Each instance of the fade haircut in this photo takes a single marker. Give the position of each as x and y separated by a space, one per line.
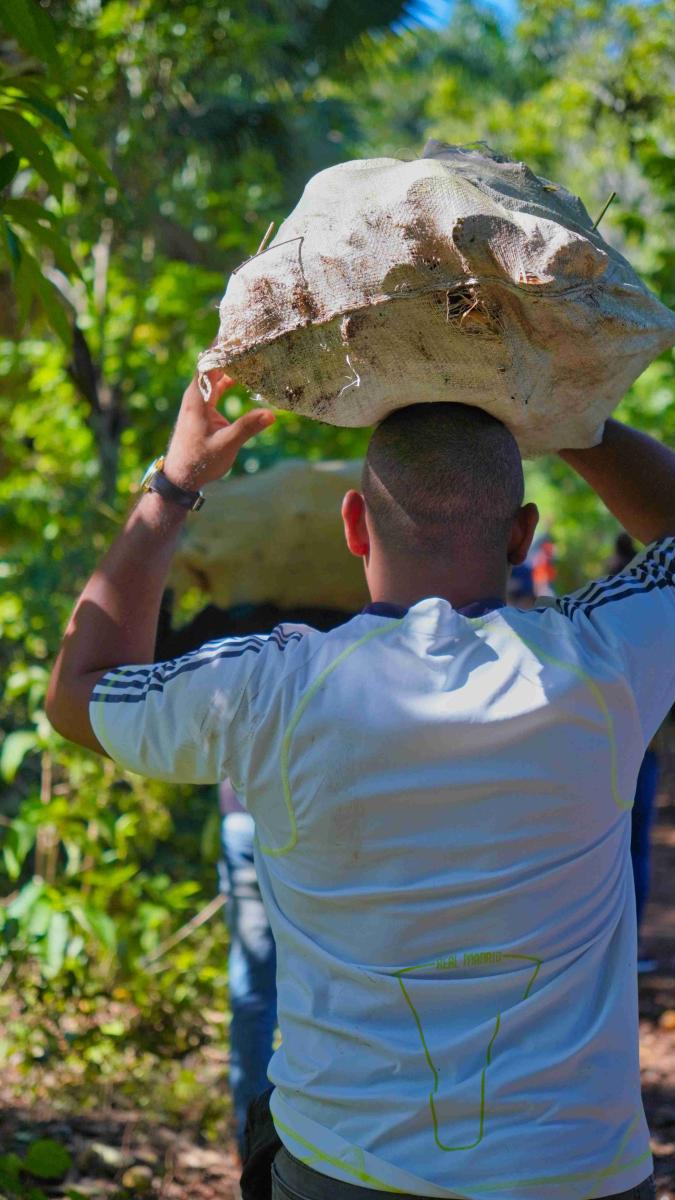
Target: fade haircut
442 480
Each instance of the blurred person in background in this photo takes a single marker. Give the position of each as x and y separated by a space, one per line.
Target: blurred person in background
520 587
252 962
541 560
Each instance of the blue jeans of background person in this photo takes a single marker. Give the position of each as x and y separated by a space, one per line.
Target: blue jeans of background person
641 824
252 968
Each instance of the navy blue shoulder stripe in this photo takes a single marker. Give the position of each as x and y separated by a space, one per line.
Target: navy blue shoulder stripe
654 571
649 566
161 674
278 635
153 679
601 587
206 648
657 585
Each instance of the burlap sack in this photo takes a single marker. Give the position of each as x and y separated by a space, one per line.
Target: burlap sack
274 537
458 276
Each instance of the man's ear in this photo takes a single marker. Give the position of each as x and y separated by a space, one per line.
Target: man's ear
354 519
522 532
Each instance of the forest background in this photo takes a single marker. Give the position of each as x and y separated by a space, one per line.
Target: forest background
145 145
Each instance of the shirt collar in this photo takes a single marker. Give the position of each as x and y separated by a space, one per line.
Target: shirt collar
477 608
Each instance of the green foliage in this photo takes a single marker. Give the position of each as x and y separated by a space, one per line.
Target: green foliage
45 1159
33 93
144 148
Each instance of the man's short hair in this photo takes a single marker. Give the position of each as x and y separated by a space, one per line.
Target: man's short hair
442 479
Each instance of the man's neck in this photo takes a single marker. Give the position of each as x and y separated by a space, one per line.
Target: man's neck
405 584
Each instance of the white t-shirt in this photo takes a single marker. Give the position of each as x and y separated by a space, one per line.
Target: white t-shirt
443 822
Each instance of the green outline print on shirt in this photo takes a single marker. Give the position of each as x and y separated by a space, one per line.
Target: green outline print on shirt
596 1177
316 1155
444 964
596 692
293 723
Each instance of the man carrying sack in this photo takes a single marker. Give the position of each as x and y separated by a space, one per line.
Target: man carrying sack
442 785
442 790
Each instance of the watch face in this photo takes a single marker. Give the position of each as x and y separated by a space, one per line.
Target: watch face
152 469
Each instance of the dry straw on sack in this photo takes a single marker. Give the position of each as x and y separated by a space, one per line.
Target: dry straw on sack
459 276
282 542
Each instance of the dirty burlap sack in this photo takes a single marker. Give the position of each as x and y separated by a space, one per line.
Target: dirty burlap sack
274 537
459 276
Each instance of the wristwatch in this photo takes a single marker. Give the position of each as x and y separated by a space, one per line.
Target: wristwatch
155 480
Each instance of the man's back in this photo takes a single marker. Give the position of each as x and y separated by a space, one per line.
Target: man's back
448 883
442 807
441 797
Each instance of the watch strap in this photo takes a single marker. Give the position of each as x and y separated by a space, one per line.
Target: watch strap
159 483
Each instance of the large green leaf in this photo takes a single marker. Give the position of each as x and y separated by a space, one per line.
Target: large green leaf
58 933
29 208
23 212
47 1159
9 165
96 922
31 282
26 900
28 22
10 1171
14 749
36 923
17 843
13 243
28 144
52 114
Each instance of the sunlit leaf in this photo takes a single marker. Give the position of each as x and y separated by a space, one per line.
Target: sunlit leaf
14 749
95 922
36 923
17 842
57 940
30 208
27 898
52 114
114 1028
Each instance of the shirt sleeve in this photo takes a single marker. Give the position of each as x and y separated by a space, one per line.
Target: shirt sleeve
630 617
187 720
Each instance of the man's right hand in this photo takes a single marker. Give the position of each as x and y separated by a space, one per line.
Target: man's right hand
204 444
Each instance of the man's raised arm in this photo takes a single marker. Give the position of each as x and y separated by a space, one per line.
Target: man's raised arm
634 475
115 619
